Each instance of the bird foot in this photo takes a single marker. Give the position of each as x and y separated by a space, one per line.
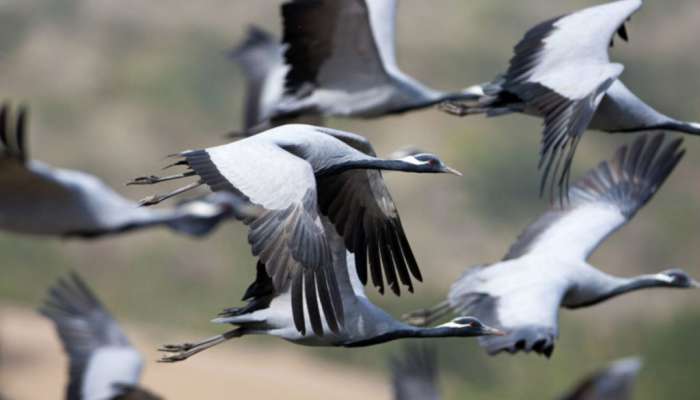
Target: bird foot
174 348
454 108
183 352
145 180
150 200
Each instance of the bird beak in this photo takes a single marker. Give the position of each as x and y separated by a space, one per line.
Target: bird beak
493 331
451 170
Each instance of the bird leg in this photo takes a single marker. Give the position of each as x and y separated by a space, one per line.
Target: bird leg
152 179
186 350
157 198
459 109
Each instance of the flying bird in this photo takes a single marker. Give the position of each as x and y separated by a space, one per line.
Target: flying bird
616 382
267 313
414 375
342 62
103 364
38 199
546 267
562 73
261 58
294 175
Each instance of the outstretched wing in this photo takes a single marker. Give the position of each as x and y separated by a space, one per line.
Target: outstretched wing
86 328
562 69
414 376
287 235
334 44
602 201
364 214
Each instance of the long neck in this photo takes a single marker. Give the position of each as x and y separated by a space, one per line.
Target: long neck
613 286
370 163
410 331
692 128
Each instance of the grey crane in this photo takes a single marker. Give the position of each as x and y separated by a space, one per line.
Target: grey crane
295 174
342 62
562 72
267 313
546 267
616 382
103 364
261 58
414 374
41 200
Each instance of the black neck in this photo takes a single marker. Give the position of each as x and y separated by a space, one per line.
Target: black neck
678 126
412 332
370 163
623 286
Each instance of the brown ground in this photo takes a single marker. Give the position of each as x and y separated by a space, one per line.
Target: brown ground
31 353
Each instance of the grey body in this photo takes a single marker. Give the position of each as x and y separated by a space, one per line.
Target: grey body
103 364
261 58
616 382
294 174
41 200
561 72
546 268
342 62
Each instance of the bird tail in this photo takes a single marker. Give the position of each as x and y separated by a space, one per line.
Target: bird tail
428 316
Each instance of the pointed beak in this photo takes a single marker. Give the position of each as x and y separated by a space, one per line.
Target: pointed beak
451 170
489 331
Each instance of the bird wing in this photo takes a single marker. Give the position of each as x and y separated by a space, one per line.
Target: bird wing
521 304
260 56
364 214
614 382
562 69
287 235
602 201
84 326
333 44
414 376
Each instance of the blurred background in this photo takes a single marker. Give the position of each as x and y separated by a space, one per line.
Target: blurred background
115 86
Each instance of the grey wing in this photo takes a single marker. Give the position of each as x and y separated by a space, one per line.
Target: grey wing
615 382
561 68
287 234
414 376
83 325
360 206
331 44
261 58
602 201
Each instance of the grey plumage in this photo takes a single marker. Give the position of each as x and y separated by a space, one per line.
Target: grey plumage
41 200
616 382
561 72
292 174
342 62
103 364
414 374
546 267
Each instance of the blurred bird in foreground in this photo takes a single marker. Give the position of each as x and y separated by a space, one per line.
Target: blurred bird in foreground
41 200
616 382
546 268
561 72
103 364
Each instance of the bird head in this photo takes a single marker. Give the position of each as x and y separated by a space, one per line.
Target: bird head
426 162
677 278
470 326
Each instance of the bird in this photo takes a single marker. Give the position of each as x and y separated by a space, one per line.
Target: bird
267 313
414 375
103 364
342 62
616 382
546 267
261 58
38 199
294 175
562 72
